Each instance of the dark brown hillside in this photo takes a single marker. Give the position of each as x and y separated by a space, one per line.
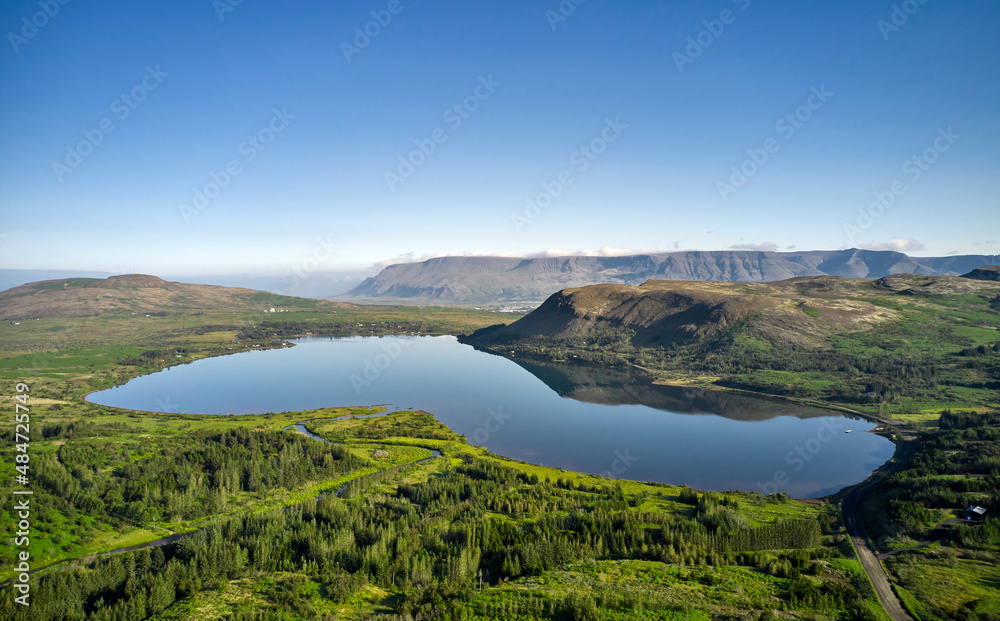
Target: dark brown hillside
799 312
987 272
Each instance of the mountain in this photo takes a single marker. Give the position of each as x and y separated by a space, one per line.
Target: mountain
134 293
798 312
490 280
302 283
987 272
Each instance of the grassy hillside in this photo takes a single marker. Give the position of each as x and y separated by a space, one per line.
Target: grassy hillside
899 344
138 294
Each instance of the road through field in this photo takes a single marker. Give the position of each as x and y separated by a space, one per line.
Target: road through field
852 520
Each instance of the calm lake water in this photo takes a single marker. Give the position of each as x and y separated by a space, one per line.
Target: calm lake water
564 416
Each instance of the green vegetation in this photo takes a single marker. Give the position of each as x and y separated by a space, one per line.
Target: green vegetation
895 349
957 575
270 524
106 478
473 536
468 534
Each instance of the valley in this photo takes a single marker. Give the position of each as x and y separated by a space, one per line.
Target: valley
476 535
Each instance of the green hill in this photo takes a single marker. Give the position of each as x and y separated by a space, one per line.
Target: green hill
902 339
136 293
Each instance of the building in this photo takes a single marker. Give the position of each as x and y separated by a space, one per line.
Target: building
974 513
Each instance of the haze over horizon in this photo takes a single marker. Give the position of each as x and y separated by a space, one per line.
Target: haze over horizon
212 138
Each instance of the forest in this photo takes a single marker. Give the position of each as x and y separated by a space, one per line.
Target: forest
443 544
954 574
179 482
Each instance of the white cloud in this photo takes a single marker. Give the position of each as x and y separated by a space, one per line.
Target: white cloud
896 244
409 257
764 247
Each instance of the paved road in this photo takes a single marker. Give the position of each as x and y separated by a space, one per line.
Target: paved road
852 519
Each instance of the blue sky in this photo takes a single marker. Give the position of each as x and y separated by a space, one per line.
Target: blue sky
616 127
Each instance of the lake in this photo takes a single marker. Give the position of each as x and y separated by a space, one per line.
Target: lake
598 421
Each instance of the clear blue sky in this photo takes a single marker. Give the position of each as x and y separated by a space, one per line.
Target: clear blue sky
531 90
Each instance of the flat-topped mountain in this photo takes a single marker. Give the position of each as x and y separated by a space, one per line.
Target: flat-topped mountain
485 280
134 293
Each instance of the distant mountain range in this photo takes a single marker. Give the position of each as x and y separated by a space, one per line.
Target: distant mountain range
492 280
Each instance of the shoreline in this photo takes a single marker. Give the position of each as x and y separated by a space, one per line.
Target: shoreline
383 409
83 397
